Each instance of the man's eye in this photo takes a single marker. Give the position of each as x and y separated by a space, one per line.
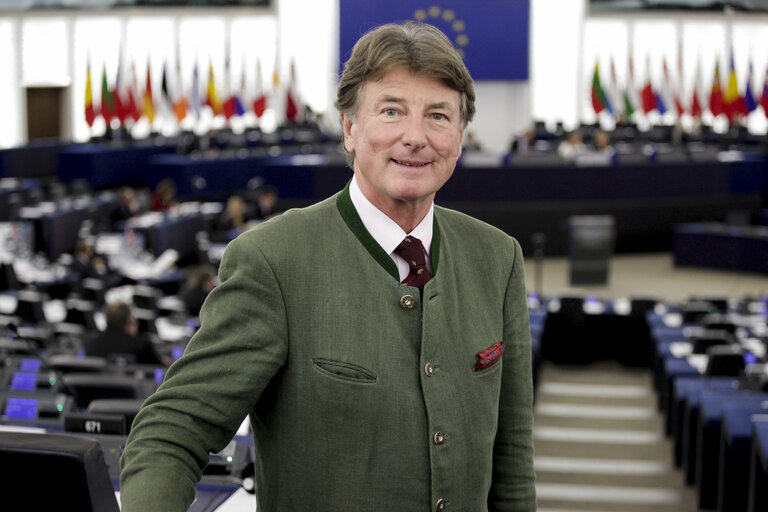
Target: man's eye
437 116
390 112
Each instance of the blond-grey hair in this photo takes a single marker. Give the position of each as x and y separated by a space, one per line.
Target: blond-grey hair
421 48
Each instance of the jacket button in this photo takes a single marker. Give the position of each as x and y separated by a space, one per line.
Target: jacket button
429 369
439 438
407 301
440 505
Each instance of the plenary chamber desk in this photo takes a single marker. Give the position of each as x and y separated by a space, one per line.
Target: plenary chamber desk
646 200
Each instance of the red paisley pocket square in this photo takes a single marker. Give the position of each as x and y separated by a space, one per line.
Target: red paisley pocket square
489 356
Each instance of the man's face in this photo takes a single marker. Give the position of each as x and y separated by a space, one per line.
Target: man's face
406 138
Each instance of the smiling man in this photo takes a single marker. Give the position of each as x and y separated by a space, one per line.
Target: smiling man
379 344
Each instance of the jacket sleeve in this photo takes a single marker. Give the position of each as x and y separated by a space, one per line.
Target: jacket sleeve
513 486
241 344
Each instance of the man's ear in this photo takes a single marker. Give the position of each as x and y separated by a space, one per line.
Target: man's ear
346 125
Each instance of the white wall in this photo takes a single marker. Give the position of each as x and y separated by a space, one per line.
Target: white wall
565 41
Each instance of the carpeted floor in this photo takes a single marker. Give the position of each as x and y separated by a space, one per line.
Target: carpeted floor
652 274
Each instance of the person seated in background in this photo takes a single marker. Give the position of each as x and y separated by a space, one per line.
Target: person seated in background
523 144
603 151
127 206
122 339
572 146
164 195
266 200
233 216
471 143
88 264
200 281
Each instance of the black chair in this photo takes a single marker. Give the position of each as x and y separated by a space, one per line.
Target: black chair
80 312
8 279
67 363
693 311
706 339
125 407
79 476
86 387
29 307
725 361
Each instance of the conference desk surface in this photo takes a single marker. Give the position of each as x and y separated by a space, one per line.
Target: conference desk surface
108 165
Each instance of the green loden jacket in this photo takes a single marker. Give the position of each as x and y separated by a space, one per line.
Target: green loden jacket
362 394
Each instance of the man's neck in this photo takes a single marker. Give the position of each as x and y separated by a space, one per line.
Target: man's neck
406 214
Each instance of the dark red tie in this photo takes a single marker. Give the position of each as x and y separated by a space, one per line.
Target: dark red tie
412 251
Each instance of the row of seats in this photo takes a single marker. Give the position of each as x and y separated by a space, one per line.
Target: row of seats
710 373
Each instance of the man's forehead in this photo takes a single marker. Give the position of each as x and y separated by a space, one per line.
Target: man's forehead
403 85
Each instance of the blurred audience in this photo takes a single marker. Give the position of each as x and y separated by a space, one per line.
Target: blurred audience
200 281
266 201
164 195
523 144
471 143
127 206
121 339
572 146
234 215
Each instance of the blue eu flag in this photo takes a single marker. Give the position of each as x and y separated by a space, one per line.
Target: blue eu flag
492 35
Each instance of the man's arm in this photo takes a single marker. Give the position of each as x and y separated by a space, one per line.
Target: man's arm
513 487
241 343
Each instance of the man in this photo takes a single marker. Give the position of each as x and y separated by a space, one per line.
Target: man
121 338
364 393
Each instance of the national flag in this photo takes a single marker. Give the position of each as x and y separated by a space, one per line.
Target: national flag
194 98
212 97
647 94
233 106
149 103
107 99
750 104
90 115
122 102
260 101
165 96
732 100
612 92
696 106
180 101
291 98
676 89
764 95
716 104
664 100
630 94
599 100
134 110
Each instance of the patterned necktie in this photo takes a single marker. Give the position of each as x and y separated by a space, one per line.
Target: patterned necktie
412 251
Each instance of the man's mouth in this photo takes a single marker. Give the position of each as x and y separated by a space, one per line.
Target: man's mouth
410 164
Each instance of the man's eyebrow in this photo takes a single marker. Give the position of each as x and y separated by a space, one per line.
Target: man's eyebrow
391 99
444 105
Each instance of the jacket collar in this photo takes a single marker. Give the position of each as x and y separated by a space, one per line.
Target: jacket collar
352 219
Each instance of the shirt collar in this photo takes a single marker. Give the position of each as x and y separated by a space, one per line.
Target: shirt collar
384 230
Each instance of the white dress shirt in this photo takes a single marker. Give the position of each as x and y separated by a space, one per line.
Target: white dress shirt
387 232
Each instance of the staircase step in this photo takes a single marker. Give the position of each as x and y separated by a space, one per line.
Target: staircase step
605 497
653 424
600 443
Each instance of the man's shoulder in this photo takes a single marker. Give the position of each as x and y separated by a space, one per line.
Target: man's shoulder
451 220
295 226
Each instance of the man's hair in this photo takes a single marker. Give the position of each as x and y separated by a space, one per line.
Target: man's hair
117 314
422 49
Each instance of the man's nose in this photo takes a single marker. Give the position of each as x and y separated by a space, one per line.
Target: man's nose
414 134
